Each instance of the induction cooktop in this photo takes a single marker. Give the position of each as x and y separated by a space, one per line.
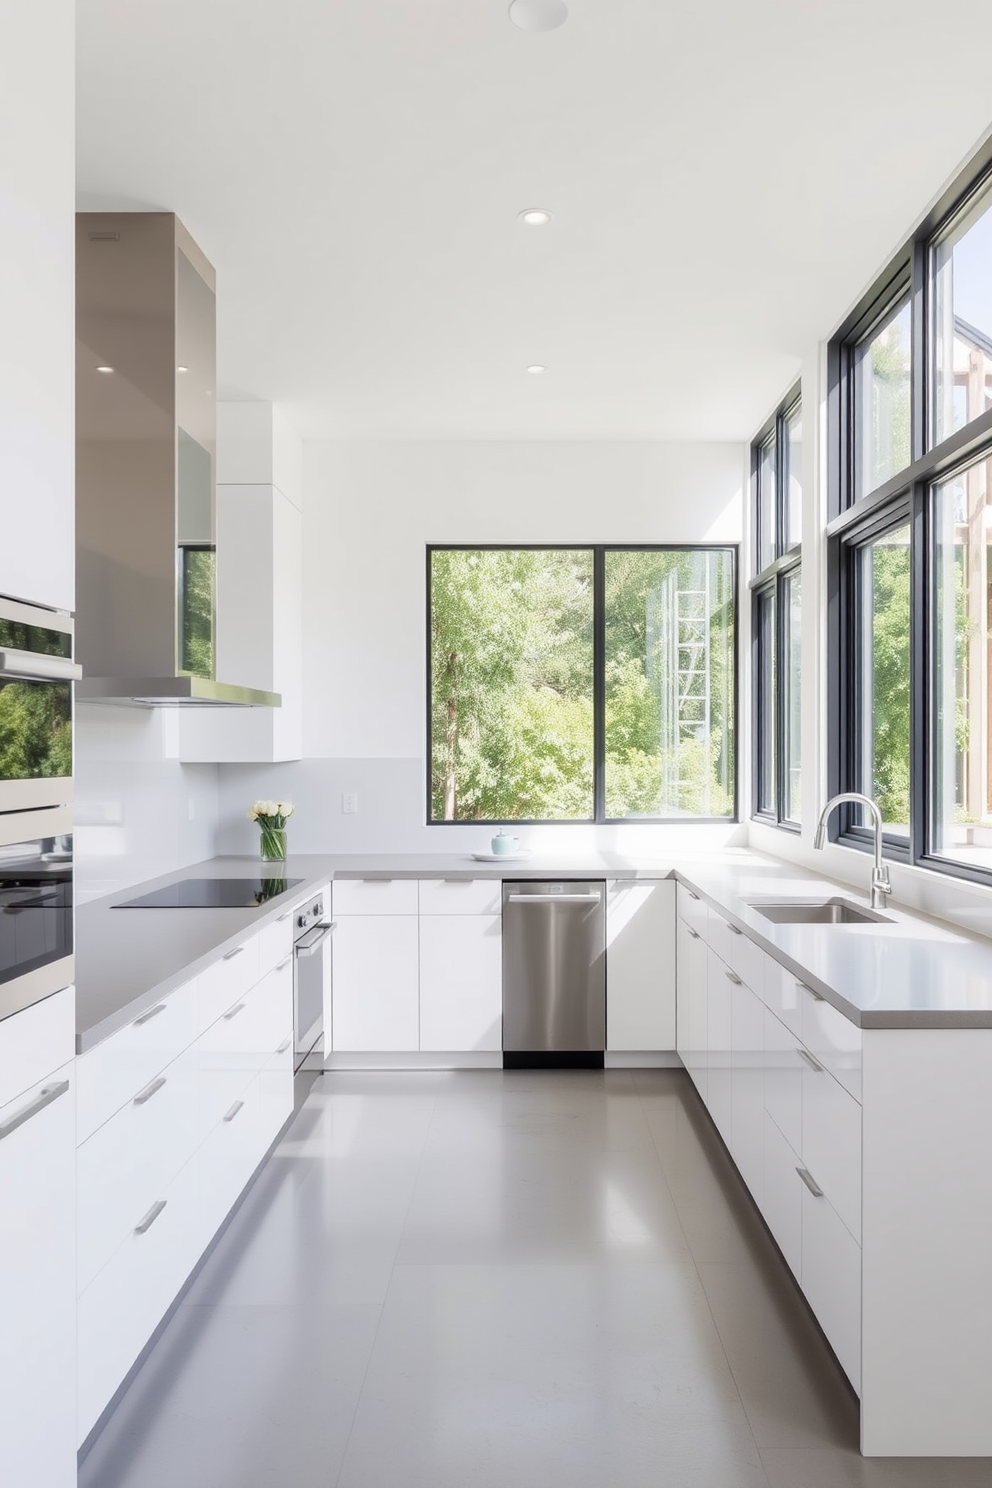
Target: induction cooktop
213 893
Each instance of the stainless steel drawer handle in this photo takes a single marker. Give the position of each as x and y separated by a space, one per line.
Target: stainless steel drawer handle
734 930
45 1096
150 1089
284 1046
816 996
230 1115
144 1225
377 880
283 964
814 1064
34 665
312 941
810 1183
151 1013
735 979
554 898
233 1012
693 933
692 895
231 954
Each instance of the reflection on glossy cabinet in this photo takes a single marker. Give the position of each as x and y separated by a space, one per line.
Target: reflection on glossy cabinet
376 976
38 1284
461 989
747 1087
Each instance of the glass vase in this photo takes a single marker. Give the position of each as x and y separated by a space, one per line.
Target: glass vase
272 846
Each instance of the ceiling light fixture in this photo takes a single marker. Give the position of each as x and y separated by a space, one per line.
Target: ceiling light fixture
536 368
105 369
538 15
535 216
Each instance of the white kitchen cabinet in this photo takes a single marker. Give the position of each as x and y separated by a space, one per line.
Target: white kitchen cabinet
831 1148
698 989
831 1280
690 971
640 965
719 989
747 1086
782 1196
783 1080
230 977
376 978
833 1039
375 896
38 1282
461 983
460 896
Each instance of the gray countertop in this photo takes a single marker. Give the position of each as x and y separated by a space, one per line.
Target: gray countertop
909 973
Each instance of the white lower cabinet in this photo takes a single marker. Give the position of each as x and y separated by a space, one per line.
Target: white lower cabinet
783 1080
831 1280
783 1196
124 1304
747 1087
640 950
229 1155
719 989
38 1282
832 1143
698 990
376 974
461 982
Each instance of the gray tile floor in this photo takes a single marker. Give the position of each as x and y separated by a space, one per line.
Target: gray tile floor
486 1280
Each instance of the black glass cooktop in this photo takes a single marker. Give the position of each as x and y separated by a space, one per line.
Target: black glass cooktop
213 893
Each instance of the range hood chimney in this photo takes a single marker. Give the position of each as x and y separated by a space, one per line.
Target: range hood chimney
145 466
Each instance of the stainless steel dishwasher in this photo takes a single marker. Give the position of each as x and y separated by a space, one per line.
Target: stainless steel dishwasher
554 974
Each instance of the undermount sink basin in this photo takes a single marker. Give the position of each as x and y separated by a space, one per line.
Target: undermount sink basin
817 912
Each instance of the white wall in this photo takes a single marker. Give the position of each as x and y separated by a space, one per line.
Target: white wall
37 298
370 510
139 812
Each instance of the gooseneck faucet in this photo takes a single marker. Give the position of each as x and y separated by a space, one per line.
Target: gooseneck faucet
880 881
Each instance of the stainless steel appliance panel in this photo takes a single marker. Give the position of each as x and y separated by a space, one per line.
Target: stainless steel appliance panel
36 676
310 972
554 967
36 949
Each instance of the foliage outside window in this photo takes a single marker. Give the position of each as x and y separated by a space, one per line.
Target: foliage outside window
776 592
909 544
579 684
197 609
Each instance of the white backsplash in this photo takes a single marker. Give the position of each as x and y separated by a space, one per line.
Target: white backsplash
139 812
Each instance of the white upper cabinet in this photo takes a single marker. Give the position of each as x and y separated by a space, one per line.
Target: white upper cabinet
640 965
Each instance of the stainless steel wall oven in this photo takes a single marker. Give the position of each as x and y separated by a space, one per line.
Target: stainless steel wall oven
36 676
36 945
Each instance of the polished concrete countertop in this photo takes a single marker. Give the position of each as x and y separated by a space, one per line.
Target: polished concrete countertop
911 972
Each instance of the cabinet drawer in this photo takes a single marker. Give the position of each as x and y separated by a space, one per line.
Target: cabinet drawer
748 961
241 1043
121 1308
782 1198
36 1041
831 1147
834 1039
115 1071
747 1087
226 980
229 1156
275 1092
691 908
467 896
718 935
275 941
719 990
831 1280
690 971
131 1159
375 896
784 1080
784 996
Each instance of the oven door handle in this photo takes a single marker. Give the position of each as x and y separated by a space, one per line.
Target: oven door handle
307 944
35 666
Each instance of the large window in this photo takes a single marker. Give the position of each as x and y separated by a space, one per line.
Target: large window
911 466
582 684
776 608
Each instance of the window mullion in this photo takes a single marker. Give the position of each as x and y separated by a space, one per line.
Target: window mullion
599 682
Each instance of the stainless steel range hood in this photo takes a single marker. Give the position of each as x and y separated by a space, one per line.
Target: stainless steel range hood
145 466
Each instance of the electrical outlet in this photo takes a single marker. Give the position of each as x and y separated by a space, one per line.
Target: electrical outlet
349 803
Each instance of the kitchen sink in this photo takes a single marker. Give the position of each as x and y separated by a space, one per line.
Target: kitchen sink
817 912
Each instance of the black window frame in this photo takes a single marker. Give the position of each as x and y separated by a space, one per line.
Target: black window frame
599 552
773 578
905 496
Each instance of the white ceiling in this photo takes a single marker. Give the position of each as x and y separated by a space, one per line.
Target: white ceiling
725 178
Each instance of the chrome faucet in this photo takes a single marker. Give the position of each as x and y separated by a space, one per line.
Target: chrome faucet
880 881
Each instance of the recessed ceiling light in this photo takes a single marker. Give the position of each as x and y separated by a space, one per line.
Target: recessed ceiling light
182 369
536 368
538 15
535 216
105 369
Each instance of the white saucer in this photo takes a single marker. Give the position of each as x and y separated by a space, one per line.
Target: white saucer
491 857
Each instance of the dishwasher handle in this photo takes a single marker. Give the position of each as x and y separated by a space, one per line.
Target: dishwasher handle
554 898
